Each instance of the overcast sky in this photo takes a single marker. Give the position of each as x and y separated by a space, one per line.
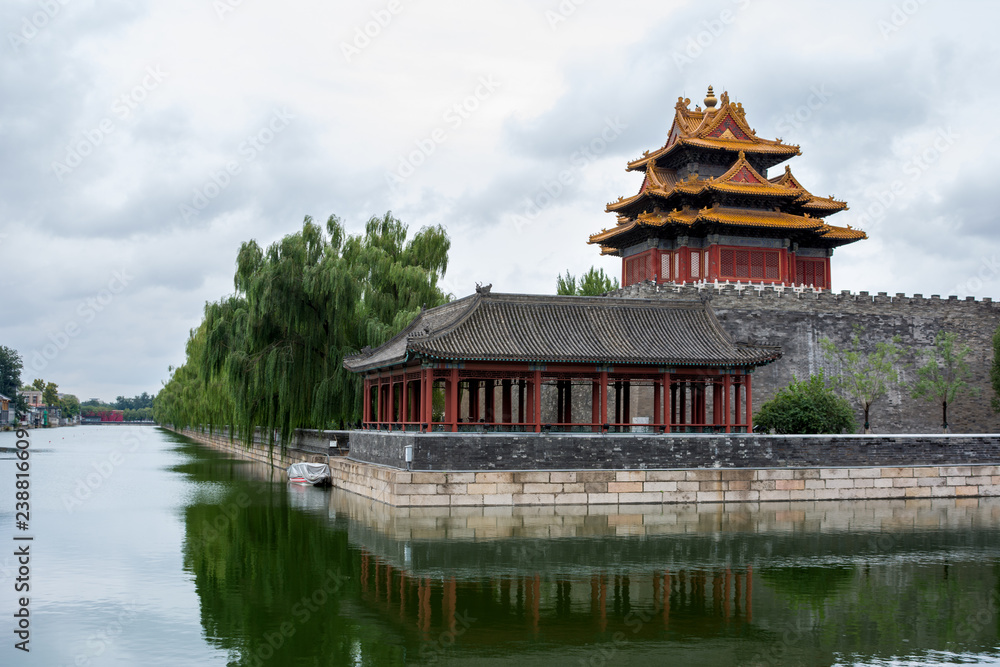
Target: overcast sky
141 142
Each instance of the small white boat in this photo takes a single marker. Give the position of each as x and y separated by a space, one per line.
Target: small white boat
316 474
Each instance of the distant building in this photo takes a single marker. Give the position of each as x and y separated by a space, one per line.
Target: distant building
32 397
6 411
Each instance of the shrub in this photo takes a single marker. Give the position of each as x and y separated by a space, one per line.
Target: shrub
809 406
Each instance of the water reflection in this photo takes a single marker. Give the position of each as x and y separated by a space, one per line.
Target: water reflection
295 575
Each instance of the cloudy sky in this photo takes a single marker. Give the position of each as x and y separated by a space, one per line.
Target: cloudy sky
141 142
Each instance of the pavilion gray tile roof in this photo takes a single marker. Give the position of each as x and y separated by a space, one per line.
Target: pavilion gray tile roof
554 329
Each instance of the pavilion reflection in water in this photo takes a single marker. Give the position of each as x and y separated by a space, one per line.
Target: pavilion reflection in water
474 578
641 604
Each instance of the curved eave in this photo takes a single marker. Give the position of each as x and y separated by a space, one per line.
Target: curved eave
756 361
843 234
784 151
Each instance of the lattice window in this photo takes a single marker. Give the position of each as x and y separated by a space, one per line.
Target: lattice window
757 265
749 264
811 272
726 267
741 264
648 265
677 267
665 266
695 264
771 271
705 272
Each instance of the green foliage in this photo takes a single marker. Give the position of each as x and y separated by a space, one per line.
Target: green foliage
69 405
945 375
143 400
592 283
38 384
809 586
138 414
995 371
270 357
50 394
10 371
809 406
865 375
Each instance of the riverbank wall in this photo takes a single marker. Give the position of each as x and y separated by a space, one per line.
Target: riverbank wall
704 469
309 446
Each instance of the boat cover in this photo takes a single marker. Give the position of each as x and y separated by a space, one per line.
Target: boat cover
314 473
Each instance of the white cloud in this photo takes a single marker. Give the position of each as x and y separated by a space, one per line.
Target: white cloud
225 76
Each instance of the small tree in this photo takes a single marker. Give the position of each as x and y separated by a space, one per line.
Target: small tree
865 376
946 374
38 384
809 406
50 394
69 405
593 283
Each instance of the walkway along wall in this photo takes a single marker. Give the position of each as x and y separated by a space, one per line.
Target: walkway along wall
798 320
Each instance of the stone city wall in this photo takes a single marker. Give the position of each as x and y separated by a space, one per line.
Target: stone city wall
797 319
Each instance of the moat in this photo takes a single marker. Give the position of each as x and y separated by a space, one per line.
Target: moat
150 549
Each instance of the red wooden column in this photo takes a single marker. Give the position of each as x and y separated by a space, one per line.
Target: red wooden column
656 405
522 416
567 418
603 415
727 384
378 401
682 403
627 400
716 402
737 405
428 402
537 382
595 405
488 388
365 403
749 380
529 411
404 398
702 402
667 399
473 400
452 400
506 402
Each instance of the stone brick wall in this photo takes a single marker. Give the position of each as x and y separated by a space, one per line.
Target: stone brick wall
636 451
621 487
797 320
257 451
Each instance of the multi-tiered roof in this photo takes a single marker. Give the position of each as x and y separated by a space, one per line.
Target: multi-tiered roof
709 178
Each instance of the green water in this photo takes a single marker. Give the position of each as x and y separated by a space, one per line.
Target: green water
149 549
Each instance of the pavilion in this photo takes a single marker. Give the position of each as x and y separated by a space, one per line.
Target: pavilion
707 210
533 363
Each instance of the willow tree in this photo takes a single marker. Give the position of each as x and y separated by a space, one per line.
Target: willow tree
191 397
592 283
301 306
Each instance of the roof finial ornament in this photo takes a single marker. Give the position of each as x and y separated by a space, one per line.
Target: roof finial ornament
483 289
710 100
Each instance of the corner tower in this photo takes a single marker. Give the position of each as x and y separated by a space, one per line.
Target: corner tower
707 211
